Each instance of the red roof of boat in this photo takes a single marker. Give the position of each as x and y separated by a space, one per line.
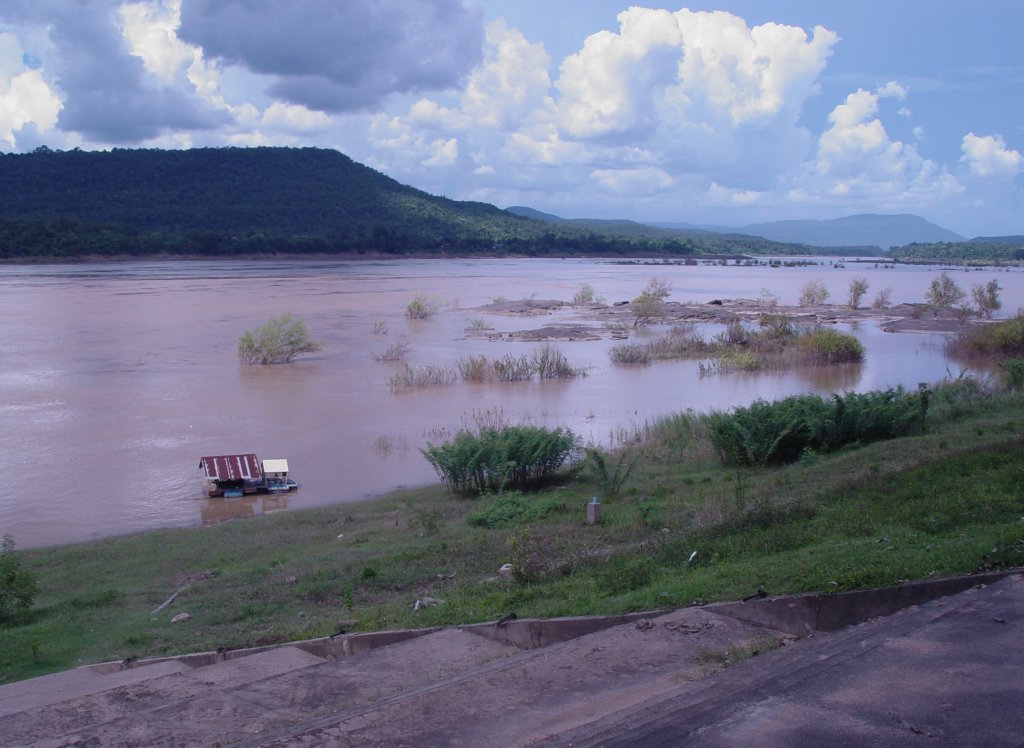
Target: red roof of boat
231 467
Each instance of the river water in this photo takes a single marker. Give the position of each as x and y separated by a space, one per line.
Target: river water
116 378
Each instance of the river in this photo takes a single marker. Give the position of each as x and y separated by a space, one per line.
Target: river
115 378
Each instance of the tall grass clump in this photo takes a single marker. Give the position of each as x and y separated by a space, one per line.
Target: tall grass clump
781 432
512 368
397 351
630 353
611 479
551 363
474 368
424 375
493 460
680 342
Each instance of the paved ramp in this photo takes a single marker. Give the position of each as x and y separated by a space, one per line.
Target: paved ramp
942 673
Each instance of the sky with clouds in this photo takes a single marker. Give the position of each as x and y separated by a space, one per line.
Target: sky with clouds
721 113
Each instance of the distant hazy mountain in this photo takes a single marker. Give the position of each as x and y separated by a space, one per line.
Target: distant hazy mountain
868 229
1015 239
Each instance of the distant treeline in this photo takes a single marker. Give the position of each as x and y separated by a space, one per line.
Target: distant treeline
244 201
63 238
975 251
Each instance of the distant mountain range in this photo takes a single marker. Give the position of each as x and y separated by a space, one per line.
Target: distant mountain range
235 201
860 232
868 229
246 201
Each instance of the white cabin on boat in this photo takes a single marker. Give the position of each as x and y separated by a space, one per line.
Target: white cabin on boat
275 476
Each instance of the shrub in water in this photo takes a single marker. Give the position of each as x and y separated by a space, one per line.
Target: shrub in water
630 353
421 307
278 341
1004 338
474 368
828 346
515 457
551 363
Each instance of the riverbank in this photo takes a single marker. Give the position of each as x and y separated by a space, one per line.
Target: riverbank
944 502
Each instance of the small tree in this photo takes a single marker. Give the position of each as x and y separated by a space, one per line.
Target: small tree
584 295
277 342
986 298
944 292
858 288
650 302
813 293
17 586
882 299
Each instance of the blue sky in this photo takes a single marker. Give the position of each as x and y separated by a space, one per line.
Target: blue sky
710 113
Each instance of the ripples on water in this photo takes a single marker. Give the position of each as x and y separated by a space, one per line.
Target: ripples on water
116 378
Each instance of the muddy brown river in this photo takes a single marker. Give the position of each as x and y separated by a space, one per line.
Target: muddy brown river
116 378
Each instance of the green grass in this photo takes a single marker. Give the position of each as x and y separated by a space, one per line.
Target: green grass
949 500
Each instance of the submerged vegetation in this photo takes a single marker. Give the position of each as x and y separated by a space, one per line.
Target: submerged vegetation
546 362
777 344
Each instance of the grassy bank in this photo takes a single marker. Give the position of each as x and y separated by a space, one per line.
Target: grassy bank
948 500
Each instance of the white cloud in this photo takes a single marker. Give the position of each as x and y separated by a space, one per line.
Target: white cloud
108 94
150 28
512 82
987 157
632 182
292 118
891 90
445 152
688 68
859 163
432 116
25 97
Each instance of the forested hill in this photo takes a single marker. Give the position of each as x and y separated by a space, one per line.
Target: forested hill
221 201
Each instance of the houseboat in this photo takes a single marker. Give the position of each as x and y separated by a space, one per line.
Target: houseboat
240 475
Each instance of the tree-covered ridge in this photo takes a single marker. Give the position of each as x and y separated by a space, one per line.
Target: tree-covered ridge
235 201
977 250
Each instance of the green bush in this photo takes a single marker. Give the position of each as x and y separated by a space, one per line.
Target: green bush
513 457
781 432
1013 372
277 342
17 586
514 508
1004 338
828 346
422 307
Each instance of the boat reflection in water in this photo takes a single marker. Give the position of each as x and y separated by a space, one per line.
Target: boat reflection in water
217 510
